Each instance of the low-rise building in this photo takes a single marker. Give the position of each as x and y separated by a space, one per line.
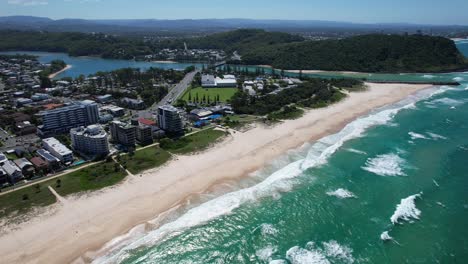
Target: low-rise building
40 164
135 104
14 173
58 150
24 128
209 81
90 140
27 168
52 161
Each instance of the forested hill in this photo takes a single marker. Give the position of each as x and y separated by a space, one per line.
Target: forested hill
243 40
367 53
75 44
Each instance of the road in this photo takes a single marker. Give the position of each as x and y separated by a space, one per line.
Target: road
172 96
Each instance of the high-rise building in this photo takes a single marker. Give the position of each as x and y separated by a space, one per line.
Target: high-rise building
144 135
61 120
90 140
169 120
122 133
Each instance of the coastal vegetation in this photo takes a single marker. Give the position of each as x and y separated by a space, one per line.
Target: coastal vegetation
144 159
192 143
312 93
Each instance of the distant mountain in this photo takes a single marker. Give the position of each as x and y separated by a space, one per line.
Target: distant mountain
199 25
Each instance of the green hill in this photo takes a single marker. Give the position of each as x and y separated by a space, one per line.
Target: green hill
367 53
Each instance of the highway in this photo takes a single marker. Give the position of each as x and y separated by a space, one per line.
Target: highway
174 93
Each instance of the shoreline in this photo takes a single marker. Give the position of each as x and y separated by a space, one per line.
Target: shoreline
84 224
53 75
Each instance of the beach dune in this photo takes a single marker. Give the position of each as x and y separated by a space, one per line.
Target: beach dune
85 224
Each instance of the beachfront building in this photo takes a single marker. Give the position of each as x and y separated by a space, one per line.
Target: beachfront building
123 133
90 140
144 134
61 120
169 120
209 81
58 150
27 168
14 173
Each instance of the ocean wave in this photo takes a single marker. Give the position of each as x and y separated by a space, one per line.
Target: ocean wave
436 136
415 135
458 79
406 210
386 165
331 252
341 193
278 261
268 229
428 76
447 101
277 181
385 236
356 151
266 253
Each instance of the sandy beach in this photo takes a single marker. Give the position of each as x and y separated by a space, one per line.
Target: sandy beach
84 224
51 76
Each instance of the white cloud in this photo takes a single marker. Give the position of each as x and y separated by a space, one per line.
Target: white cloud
28 2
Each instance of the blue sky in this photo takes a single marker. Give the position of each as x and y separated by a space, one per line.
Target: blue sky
367 11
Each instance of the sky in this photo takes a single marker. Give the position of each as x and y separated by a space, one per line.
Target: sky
447 12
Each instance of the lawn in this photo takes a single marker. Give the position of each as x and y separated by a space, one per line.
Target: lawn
145 159
195 142
225 94
21 201
90 178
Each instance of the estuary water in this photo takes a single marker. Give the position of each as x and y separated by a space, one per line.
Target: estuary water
91 65
391 187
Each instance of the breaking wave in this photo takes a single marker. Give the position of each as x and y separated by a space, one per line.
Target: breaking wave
330 252
415 135
406 210
342 194
276 182
386 165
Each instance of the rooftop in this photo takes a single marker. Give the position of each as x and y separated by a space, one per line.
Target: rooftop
57 146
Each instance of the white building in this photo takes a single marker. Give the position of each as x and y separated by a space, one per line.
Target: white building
169 120
58 150
90 140
209 81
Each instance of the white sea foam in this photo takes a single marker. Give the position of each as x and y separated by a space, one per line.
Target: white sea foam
415 135
446 101
331 252
356 151
266 252
385 236
406 210
385 165
436 136
436 183
278 180
458 79
268 229
298 255
338 252
341 193
278 261
428 76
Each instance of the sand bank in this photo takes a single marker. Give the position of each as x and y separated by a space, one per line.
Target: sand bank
84 224
53 75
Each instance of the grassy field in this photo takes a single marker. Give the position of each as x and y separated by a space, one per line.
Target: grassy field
225 94
196 142
21 201
90 178
145 159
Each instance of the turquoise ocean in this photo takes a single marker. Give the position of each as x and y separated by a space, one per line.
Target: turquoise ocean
391 187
